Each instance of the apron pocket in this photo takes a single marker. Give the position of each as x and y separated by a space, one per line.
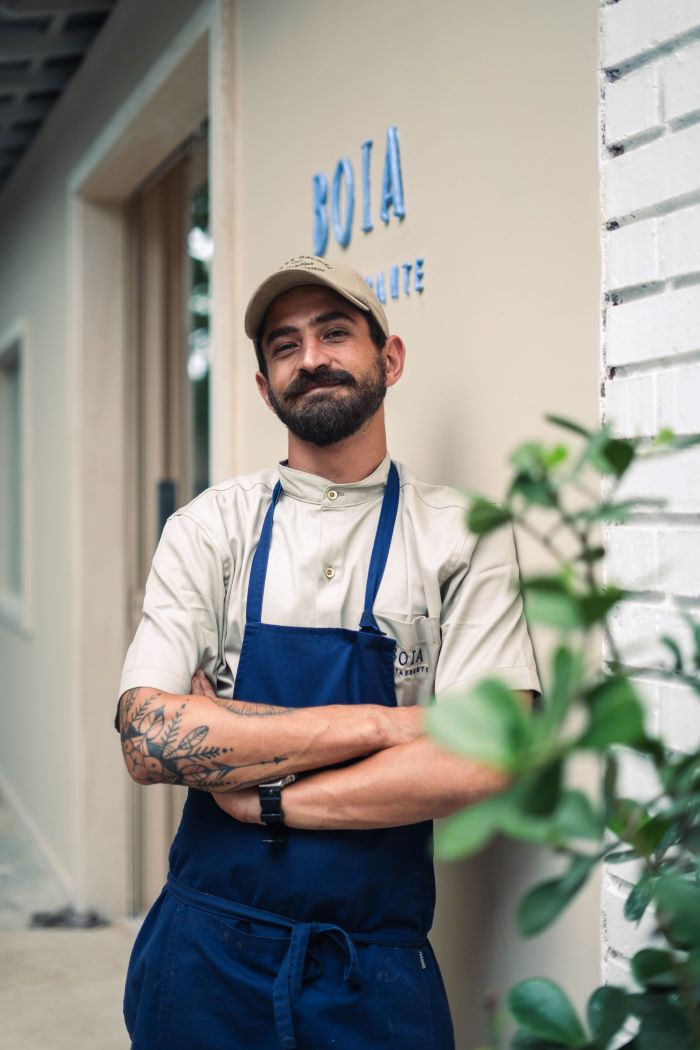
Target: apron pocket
220 997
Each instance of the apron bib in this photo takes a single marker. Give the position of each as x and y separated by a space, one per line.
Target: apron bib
311 903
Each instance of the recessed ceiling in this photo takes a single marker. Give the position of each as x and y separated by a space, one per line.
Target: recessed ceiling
42 43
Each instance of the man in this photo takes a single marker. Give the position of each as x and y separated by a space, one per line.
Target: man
322 602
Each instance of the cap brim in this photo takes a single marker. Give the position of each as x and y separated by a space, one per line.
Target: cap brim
280 282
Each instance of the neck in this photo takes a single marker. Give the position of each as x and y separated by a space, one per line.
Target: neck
353 459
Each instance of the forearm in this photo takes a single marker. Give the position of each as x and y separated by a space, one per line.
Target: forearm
402 785
218 745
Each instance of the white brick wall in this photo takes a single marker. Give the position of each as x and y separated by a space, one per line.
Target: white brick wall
650 186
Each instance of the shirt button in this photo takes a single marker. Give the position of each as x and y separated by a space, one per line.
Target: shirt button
329 572
332 494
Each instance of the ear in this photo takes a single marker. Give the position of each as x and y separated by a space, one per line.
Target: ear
262 386
394 354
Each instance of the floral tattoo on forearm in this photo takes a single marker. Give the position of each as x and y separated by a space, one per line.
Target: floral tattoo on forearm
157 752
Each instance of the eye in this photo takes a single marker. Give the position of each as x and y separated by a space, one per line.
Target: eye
282 348
336 333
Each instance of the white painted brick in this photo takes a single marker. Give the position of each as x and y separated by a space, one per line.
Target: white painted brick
679 716
632 27
655 326
656 173
633 628
631 254
673 476
630 559
622 936
636 630
637 779
678 392
632 104
616 970
679 242
681 79
629 405
648 692
678 570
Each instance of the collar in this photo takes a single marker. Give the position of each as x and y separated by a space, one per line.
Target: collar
311 488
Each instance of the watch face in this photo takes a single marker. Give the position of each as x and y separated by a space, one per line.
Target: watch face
282 782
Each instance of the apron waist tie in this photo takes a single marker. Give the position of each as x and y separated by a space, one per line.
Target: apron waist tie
287 985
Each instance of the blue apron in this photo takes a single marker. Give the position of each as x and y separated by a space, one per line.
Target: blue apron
317 943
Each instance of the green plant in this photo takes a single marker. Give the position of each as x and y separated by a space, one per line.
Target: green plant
586 710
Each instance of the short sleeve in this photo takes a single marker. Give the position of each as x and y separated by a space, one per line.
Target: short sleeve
181 628
484 631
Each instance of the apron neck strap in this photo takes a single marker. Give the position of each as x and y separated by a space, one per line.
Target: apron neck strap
258 570
382 543
380 553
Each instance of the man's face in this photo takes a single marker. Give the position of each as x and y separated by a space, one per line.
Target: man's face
325 376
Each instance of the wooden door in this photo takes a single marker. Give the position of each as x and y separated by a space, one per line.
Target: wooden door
171 254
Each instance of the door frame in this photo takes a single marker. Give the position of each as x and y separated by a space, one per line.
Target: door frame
194 78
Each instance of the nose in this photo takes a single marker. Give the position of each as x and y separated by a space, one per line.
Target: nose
314 353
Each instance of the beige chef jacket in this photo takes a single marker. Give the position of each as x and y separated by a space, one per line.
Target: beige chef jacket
448 598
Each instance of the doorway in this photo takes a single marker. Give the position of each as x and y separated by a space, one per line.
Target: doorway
171 254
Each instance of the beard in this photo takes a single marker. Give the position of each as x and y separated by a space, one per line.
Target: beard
326 418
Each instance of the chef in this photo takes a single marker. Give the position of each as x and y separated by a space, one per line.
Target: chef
296 622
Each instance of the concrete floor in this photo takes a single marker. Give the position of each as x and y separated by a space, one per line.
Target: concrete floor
60 989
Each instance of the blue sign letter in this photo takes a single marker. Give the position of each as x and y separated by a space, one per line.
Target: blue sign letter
366 217
319 187
392 184
343 173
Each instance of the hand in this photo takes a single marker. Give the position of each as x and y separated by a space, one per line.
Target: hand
243 805
201 686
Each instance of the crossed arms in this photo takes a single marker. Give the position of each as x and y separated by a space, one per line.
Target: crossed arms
227 747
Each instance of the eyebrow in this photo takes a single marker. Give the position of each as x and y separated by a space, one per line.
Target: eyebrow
332 315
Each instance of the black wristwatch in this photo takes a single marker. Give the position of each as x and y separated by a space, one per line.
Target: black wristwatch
271 807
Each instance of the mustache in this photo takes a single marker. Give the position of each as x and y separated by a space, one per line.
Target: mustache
321 377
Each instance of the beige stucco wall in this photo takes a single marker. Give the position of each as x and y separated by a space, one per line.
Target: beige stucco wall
496 107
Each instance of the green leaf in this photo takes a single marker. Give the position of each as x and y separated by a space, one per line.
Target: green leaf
625 817
651 833
469 830
672 645
542 1008
567 670
607 1010
639 897
541 791
663 1024
595 607
541 905
592 554
695 631
654 967
486 515
523 1040
528 828
576 817
616 715
537 491
620 856
620 511
609 785
487 723
568 424
664 436
679 899
615 457
548 600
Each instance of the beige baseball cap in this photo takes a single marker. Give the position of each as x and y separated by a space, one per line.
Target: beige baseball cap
310 269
